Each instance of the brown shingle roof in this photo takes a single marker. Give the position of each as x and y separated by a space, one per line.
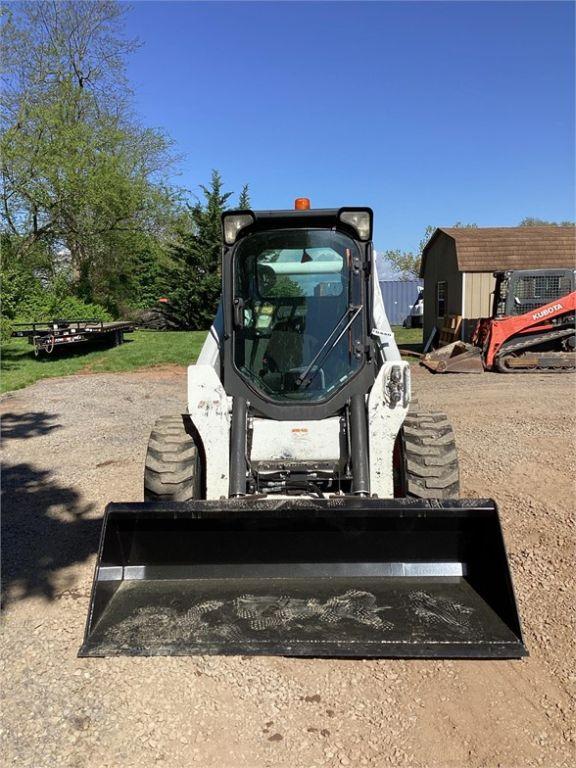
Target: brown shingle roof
493 249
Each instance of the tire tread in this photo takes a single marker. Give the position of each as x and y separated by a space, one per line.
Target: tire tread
172 469
430 457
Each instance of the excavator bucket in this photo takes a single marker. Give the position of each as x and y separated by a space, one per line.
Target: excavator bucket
338 577
457 357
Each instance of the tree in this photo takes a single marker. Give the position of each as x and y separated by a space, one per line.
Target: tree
197 254
531 221
407 263
77 171
244 199
284 288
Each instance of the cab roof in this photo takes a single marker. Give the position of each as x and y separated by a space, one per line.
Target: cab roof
320 218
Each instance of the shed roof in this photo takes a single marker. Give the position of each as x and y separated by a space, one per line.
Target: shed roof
495 249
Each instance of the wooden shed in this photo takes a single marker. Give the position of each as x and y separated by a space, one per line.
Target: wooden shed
458 266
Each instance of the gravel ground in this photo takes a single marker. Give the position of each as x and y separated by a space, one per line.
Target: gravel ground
73 444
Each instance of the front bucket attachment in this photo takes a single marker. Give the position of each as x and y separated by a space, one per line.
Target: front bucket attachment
338 577
457 357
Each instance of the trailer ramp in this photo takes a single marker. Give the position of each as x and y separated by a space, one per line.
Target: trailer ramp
342 577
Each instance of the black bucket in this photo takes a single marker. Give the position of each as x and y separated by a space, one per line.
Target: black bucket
341 577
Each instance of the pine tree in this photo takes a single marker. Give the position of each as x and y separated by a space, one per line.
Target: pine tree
197 255
244 199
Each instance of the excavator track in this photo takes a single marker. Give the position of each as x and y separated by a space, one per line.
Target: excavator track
536 361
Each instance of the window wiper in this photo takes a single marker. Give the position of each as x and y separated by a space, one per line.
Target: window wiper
352 312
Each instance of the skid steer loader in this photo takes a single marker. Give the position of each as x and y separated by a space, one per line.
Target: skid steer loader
532 328
302 506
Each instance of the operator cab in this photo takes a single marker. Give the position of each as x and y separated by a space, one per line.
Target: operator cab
296 321
524 290
297 312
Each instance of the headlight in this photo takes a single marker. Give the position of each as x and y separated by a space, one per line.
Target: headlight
232 224
361 220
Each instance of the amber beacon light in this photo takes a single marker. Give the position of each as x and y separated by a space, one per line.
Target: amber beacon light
302 204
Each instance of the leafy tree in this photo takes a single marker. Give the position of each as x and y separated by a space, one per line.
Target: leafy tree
531 221
76 169
244 198
407 263
284 288
403 263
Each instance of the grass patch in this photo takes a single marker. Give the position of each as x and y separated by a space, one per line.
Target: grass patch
143 349
410 340
407 336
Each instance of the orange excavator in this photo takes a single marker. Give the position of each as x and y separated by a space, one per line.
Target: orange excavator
532 328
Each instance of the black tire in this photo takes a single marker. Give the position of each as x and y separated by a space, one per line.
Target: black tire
172 470
429 457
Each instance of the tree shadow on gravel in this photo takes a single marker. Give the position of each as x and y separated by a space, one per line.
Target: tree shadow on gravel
23 425
44 528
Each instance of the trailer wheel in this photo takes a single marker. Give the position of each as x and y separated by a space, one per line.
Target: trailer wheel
173 470
428 457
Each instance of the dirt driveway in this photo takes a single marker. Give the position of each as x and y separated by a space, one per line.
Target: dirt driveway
73 444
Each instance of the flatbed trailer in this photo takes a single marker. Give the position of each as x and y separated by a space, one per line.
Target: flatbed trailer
46 337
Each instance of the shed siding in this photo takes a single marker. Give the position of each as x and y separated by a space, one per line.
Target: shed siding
441 265
478 289
478 299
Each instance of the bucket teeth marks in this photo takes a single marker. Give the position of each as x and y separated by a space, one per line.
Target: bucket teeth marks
357 605
440 611
270 612
195 616
218 620
195 624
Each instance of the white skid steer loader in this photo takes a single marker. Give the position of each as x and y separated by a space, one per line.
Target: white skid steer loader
302 506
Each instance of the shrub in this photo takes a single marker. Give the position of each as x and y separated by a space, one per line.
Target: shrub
5 329
25 299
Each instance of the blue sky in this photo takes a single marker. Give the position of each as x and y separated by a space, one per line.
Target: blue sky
431 112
